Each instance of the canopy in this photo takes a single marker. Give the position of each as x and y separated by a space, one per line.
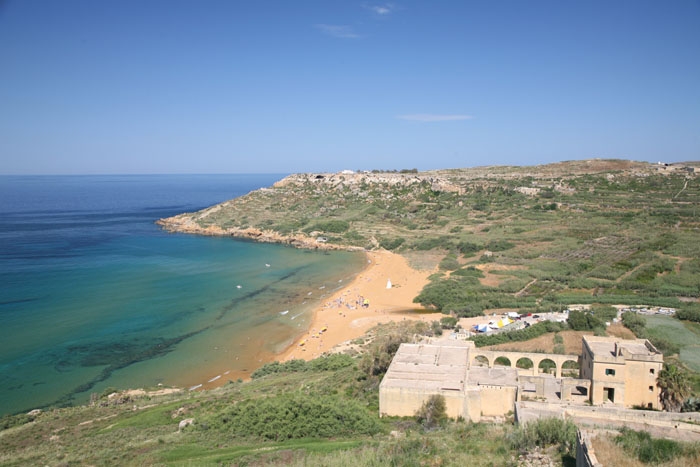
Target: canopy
388 284
482 327
504 322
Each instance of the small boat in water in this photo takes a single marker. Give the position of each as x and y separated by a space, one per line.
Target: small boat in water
238 286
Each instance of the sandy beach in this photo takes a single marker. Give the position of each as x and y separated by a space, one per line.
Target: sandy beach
344 316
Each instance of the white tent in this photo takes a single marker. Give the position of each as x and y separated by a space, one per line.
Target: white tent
388 284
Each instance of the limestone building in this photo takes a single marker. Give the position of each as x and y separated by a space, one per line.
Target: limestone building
421 370
622 372
611 371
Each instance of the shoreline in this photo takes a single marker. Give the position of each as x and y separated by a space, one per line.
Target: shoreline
343 316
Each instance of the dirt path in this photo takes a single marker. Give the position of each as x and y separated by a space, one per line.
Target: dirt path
522 291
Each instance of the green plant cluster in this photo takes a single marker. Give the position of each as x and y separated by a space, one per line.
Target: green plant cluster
520 335
294 416
653 450
545 432
326 363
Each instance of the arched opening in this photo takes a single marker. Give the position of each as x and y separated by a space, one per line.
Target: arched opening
480 360
570 368
502 361
524 363
547 366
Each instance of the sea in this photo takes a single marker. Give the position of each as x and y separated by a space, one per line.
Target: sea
94 295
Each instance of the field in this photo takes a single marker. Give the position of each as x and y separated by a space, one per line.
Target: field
683 333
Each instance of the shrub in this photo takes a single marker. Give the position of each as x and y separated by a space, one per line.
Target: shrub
9 421
499 245
533 331
584 321
449 263
378 357
448 322
334 226
436 328
467 247
294 416
545 432
432 412
391 243
327 363
651 450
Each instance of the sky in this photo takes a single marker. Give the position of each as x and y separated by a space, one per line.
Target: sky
120 87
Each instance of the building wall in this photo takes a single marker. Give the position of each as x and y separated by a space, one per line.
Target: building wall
640 382
497 401
405 402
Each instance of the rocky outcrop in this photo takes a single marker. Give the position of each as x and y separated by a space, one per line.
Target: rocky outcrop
185 223
339 180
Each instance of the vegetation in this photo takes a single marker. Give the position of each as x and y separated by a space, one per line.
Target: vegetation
650 450
294 416
526 334
546 432
325 363
675 387
432 412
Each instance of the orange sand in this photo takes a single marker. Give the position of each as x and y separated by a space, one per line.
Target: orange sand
385 305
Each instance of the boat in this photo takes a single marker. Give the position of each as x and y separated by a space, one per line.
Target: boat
238 286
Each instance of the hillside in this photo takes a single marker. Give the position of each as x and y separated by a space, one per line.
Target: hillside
608 231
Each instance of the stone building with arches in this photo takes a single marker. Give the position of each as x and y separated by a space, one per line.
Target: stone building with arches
480 383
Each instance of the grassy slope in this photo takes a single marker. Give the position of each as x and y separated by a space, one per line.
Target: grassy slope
144 431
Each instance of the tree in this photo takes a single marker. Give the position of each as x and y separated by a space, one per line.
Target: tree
675 387
448 322
432 412
583 321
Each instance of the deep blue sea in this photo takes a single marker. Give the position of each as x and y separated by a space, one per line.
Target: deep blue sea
94 295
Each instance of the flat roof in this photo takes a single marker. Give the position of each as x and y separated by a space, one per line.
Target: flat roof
503 376
428 367
605 346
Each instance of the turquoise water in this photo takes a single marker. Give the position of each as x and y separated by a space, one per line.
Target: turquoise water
94 295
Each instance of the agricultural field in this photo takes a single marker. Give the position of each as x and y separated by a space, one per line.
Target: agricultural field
685 334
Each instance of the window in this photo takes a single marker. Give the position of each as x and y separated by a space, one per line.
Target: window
649 406
651 388
651 371
609 372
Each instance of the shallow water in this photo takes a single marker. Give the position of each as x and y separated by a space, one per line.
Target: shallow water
94 295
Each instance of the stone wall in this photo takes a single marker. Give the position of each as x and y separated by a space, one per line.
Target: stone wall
585 455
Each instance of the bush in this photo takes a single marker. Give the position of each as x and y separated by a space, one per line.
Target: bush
294 416
499 245
533 331
436 328
651 450
432 412
9 421
334 226
448 322
545 432
327 363
634 323
467 247
605 313
378 357
584 321
449 263
391 243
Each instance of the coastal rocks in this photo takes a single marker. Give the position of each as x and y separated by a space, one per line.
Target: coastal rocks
179 412
185 223
184 423
34 413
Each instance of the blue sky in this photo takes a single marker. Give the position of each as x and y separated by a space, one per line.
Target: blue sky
287 86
